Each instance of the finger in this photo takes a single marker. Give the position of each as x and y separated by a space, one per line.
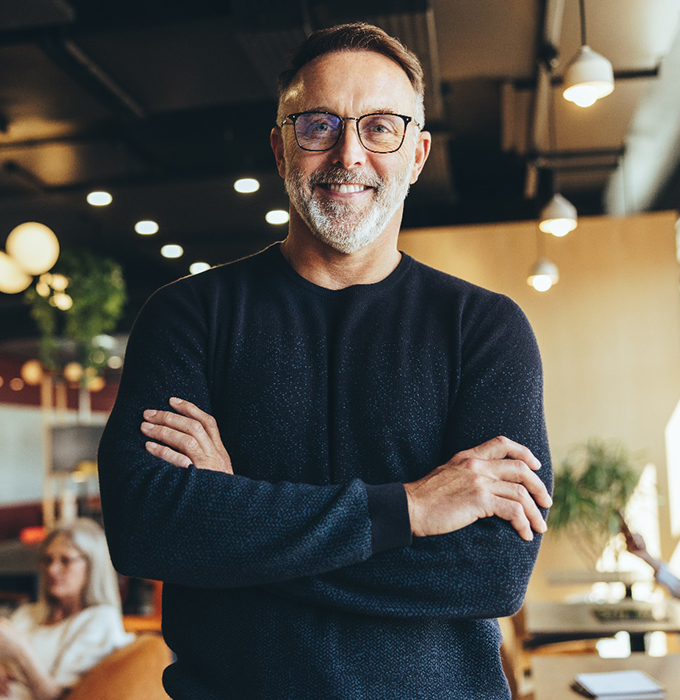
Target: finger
166 453
518 472
182 442
513 512
208 422
519 494
503 448
624 526
180 424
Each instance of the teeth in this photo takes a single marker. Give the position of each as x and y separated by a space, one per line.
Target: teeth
345 189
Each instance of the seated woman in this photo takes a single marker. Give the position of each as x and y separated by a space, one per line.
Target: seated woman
47 646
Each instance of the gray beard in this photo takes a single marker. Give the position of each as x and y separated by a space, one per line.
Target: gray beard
343 226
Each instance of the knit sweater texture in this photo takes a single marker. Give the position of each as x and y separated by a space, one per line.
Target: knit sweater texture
297 577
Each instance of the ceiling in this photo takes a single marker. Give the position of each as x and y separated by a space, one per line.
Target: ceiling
165 105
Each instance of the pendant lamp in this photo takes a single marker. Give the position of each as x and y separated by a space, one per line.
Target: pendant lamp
589 75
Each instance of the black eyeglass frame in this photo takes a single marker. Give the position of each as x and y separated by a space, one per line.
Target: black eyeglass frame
294 117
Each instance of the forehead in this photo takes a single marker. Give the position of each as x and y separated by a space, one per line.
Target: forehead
61 544
351 83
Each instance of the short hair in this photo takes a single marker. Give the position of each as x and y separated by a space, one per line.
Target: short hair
101 585
357 36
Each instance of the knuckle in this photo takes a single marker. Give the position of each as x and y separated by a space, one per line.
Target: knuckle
187 443
516 510
522 492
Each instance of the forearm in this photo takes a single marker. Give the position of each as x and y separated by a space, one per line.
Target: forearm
38 680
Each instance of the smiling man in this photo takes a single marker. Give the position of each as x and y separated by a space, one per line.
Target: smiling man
334 456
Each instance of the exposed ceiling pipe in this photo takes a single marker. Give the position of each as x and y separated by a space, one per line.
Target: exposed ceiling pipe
552 29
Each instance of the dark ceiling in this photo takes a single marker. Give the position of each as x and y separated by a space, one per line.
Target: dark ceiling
166 104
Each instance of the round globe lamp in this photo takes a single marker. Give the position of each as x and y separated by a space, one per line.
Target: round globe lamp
34 246
13 279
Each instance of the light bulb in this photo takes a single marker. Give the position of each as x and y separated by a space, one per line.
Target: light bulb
198 267
172 251
541 283
32 372
34 246
13 279
99 199
588 78
62 301
246 185
558 216
277 216
146 228
543 275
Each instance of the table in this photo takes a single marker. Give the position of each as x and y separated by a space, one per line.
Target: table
557 622
553 675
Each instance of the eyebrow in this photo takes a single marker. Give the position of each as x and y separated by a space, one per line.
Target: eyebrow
379 110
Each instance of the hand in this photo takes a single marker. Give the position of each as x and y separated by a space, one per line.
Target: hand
495 478
189 436
11 640
635 543
6 677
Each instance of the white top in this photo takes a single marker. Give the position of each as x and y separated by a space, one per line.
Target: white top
71 647
666 578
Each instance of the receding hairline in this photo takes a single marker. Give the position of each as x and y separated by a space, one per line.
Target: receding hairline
284 93
358 36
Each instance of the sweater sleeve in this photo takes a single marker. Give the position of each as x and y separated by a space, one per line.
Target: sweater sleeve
482 570
670 582
202 528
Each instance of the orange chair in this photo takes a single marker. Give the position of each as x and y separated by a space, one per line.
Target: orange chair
133 672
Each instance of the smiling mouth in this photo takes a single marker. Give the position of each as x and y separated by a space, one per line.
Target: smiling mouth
344 189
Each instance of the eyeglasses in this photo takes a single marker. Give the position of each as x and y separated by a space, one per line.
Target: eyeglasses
64 562
380 132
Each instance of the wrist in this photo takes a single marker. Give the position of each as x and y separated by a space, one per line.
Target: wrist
411 500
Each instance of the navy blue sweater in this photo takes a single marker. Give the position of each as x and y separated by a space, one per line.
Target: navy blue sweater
297 578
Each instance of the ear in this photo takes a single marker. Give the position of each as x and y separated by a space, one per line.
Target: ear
422 152
276 141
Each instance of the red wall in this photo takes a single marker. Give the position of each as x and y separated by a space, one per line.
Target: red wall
10 368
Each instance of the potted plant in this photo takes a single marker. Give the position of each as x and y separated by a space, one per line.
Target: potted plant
594 484
81 299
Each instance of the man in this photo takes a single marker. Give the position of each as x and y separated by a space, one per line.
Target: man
326 496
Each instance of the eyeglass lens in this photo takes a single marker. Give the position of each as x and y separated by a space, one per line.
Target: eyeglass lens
64 562
381 133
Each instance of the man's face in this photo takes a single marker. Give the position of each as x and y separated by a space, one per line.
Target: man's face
348 196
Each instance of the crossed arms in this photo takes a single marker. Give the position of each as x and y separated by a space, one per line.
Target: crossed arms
472 517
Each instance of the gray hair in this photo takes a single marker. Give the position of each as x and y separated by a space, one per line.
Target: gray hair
101 585
357 36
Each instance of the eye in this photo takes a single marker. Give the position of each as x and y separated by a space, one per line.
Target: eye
318 124
382 125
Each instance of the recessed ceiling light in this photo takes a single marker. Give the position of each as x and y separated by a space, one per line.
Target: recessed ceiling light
146 228
277 216
198 267
172 251
246 184
99 199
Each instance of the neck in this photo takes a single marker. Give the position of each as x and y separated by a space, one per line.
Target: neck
61 609
326 267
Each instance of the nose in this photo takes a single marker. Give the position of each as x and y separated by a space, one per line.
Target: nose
348 151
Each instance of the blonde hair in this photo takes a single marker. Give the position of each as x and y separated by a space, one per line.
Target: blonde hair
101 585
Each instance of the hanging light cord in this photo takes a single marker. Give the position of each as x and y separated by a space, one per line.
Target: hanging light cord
582 5
552 135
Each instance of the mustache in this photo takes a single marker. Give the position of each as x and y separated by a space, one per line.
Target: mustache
337 175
